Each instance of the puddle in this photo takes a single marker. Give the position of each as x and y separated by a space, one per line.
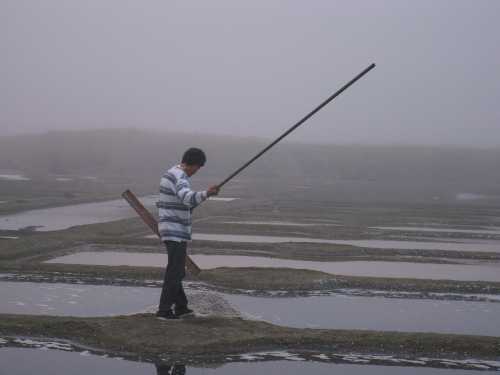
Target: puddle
70 278
467 297
280 223
441 230
74 300
486 246
222 199
9 238
373 313
42 360
57 218
486 272
64 179
14 177
64 217
97 300
470 196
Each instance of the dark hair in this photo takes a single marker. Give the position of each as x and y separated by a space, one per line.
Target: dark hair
194 156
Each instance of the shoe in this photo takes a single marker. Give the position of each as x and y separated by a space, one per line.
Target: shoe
166 315
183 311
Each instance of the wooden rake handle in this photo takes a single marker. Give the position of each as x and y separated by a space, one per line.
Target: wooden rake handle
153 225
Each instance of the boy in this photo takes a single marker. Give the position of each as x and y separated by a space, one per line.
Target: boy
177 201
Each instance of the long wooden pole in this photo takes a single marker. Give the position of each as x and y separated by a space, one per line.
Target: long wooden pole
153 224
300 122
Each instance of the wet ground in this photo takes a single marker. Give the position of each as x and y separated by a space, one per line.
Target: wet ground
249 223
480 272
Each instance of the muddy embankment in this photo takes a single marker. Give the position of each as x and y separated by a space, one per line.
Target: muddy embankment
236 279
146 336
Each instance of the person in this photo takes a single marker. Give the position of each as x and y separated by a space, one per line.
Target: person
175 206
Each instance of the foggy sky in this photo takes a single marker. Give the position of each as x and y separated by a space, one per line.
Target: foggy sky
253 68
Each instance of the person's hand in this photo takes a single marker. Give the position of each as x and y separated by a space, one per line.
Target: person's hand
212 190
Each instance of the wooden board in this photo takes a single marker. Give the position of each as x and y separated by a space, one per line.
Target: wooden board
153 225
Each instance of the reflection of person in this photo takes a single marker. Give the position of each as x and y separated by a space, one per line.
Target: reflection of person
175 206
162 369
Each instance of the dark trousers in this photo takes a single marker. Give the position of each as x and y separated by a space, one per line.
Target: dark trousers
172 291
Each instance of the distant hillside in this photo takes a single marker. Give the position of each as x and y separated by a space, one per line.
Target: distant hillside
146 154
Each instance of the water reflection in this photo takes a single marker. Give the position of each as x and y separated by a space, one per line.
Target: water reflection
162 369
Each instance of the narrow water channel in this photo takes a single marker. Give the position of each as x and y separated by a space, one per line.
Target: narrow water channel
477 245
24 361
373 313
464 272
333 311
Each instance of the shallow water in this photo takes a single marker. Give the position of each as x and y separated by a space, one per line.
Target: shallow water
470 196
64 217
486 246
483 272
99 300
333 311
23 361
57 218
74 300
373 313
494 230
279 223
14 177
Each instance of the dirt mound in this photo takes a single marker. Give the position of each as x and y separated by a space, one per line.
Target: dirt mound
206 304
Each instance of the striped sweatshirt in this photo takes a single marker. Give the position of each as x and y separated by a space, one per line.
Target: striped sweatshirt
175 206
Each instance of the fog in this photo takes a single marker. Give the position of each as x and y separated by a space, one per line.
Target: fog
253 68
136 159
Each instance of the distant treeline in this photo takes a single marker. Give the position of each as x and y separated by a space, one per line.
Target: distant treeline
147 153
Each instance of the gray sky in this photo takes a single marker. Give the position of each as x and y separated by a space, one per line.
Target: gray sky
253 68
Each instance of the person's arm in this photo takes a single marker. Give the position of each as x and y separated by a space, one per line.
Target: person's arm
190 197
